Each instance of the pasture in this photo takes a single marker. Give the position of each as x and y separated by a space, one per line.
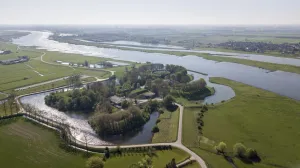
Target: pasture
168 127
259 119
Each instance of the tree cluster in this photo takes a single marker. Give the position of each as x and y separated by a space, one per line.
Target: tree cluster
119 122
94 97
195 90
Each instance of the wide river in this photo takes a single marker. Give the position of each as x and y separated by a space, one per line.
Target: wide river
283 83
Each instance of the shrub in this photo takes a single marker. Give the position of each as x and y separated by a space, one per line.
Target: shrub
239 150
251 153
157 121
94 162
155 129
221 147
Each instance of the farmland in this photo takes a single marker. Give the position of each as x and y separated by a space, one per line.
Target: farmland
244 119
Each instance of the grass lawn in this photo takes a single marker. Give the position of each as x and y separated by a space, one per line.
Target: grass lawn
26 145
42 87
159 161
8 111
168 127
192 165
257 118
190 135
2 96
264 65
35 71
89 79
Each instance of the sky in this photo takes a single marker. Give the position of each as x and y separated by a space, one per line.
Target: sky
147 12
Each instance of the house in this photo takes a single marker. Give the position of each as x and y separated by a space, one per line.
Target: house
20 59
149 95
116 100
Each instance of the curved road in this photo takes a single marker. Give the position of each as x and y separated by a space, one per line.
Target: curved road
177 143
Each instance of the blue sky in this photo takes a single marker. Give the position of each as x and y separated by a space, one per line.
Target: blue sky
224 12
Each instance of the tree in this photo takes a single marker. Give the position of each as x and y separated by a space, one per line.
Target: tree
251 154
86 140
239 150
106 152
168 101
4 107
172 164
94 162
221 147
86 63
155 129
85 102
62 104
11 101
125 104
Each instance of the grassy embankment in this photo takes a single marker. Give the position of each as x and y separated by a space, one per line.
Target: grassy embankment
264 65
257 118
35 71
168 127
25 144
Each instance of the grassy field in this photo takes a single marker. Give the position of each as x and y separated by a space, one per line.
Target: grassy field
190 135
42 87
8 111
26 145
36 71
267 53
159 161
257 118
192 165
168 127
264 65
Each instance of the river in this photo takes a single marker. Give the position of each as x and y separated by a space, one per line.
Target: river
283 83
143 136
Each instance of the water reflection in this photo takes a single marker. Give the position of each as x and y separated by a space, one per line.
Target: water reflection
283 83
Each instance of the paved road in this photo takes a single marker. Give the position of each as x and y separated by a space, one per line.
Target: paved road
177 143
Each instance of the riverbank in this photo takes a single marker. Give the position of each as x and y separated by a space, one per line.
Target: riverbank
25 140
262 120
259 64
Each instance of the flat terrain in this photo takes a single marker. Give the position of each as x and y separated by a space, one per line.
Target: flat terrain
168 127
257 118
26 145
159 161
35 71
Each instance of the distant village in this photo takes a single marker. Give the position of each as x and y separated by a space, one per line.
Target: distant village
20 59
103 64
260 47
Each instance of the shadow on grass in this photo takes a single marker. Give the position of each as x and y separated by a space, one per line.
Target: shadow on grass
172 108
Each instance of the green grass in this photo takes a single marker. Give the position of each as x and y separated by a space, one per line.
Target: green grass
2 96
24 74
192 165
8 111
42 87
26 145
89 79
211 159
168 127
159 161
190 135
259 119
264 65
266 53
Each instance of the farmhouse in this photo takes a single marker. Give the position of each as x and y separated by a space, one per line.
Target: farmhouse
115 100
20 59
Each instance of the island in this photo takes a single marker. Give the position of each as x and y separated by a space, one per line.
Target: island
123 104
